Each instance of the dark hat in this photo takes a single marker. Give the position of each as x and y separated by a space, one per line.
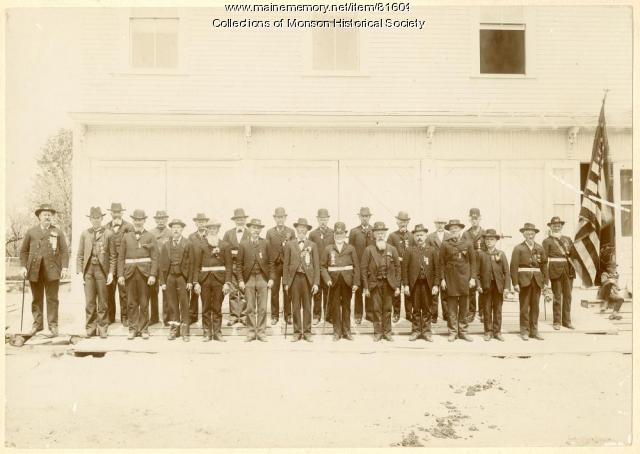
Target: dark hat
238 213
138 214
339 228
279 212
200 217
491 233
213 223
474 213
529 226
379 226
45 207
255 221
440 220
116 206
365 211
95 212
555 220
323 213
403 216
302 221
175 221
420 228
161 214
454 222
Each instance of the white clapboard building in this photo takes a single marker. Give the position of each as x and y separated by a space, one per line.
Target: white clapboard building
481 108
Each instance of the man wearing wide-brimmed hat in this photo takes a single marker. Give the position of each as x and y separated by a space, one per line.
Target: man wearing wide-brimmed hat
323 237
277 237
162 234
360 238
381 280
137 269
197 238
458 261
474 235
493 280
529 275
235 236
301 277
175 269
402 239
561 272
96 260
119 227
435 240
44 257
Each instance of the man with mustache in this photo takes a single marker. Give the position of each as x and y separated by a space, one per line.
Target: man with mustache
360 238
402 240
119 227
278 237
323 237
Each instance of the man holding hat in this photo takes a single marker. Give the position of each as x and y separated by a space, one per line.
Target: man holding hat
323 237
557 247
528 274
402 240
474 235
493 277
341 273
162 234
360 238
458 263
197 238
119 227
421 279
176 261
381 280
255 277
137 269
44 258
277 238
435 240
235 236
96 260
301 277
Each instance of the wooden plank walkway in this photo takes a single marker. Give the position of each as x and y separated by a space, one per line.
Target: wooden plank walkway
626 311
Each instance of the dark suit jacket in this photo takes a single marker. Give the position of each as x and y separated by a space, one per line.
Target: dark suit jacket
361 240
371 263
230 237
522 258
488 268
203 257
322 239
293 258
401 242
475 238
411 263
117 236
248 255
458 262
331 257
556 268
434 241
185 249
48 247
107 254
277 241
129 250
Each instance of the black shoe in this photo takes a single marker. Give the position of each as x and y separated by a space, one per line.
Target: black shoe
569 326
231 322
296 338
316 320
428 337
434 320
487 336
336 338
377 337
499 337
219 338
249 339
131 335
466 337
414 337
348 336
289 320
525 337
556 326
388 337
274 321
262 338
452 337
538 337
308 338
145 335
103 335
358 321
396 317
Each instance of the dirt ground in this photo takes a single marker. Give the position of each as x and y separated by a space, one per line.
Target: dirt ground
264 397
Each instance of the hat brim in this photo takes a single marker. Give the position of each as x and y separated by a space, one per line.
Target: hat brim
239 217
380 230
522 230
491 235
549 224
116 211
200 219
102 215
448 226
161 217
339 232
38 211
420 230
260 226
364 214
213 224
136 217
295 225
171 224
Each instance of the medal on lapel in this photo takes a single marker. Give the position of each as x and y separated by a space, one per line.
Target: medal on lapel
426 260
260 255
53 241
333 258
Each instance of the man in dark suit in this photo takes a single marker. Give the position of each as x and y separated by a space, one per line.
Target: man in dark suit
421 279
255 277
119 227
212 270
493 280
176 261
235 236
162 234
340 271
323 237
197 238
302 278
529 274
474 235
137 269
277 238
402 240
435 240
360 238
96 260
557 247
381 280
44 257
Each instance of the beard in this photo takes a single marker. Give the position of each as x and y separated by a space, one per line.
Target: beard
212 239
381 244
556 234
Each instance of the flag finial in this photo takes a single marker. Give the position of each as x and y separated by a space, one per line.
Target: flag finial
606 90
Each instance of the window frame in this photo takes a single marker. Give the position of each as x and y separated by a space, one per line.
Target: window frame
154 68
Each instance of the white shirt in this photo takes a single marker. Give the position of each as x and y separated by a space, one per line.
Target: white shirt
440 235
340 246
239 234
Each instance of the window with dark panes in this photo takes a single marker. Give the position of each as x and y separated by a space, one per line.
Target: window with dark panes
154 42
626 200
502 49
335 49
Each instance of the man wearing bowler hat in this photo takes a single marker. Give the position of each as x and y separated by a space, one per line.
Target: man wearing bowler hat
529 274
557 247
435 240
323 237
402 239
137 269
458 263
119 227
421 279
197 238
277 237
162 234
360 238
96 260
381 279
44 257
474 235
301 277
235 236
340 270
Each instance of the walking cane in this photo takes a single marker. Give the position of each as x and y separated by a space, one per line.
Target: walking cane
22 311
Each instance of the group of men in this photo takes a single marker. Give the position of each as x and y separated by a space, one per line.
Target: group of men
319 270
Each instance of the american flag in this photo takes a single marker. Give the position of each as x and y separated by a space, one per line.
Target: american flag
596 223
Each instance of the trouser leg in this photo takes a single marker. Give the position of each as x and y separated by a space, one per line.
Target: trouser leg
102 304
261 305
51 292
443 304
453 309
496 309
317 302
165 308
275 292
427 304
183 305
207 289
357 304
193 307
216 308
173 302
251 294
306 304
556 288
122 297
472 302
408 306
337 298
237 301
387 308
377 297
111 299
487 310
567 288
418 296
133 309
397 306
153 303
524 297
463 307
91 296
534 308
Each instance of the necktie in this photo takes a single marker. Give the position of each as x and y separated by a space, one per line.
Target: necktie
239 231
175 243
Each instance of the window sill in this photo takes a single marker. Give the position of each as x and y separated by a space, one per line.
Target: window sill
502 76
335 74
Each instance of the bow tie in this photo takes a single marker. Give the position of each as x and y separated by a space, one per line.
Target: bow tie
239 230
138 232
